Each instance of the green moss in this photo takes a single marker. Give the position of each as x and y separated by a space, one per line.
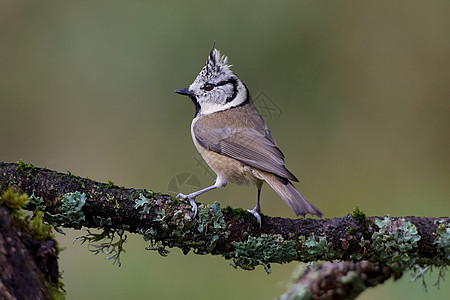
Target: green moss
227 209
262 250
351 230
24 168
41 230
32 226
358 214
15 203
35 225
147 193
111 198
238 213
78 179
110 184
176 201
13 200
56 290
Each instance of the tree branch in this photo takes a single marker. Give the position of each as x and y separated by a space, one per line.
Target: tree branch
72 201
28 253
19 264
339 280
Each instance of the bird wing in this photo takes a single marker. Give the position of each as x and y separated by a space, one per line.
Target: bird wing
254 147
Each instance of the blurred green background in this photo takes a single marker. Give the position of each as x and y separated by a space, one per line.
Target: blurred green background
360 93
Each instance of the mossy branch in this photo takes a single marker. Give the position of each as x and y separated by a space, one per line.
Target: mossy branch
74 202
338 280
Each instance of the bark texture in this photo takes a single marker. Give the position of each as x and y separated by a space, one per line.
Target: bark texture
339 280
371 249
27 265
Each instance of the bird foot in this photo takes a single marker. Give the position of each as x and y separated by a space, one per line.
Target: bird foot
255 212
191 201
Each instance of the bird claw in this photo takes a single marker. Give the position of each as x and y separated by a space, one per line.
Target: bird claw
182 196
194 206
191 201
256 214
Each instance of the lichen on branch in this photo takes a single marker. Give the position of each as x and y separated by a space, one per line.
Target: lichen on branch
164 222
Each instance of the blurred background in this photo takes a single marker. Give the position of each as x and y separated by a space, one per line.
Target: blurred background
356 94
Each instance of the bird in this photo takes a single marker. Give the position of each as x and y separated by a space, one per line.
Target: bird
233 139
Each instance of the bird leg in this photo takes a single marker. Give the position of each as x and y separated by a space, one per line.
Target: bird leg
194 195
255 211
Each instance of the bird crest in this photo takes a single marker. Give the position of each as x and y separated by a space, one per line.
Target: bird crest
216 65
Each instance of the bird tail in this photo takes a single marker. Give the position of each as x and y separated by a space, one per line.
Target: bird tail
299 204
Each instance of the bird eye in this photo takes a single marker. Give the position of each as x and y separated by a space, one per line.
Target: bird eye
208 86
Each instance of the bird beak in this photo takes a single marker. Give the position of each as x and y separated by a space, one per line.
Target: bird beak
185 92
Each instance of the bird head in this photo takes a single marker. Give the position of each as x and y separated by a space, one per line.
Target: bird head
216 87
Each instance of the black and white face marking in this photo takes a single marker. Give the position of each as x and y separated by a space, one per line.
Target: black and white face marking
216 88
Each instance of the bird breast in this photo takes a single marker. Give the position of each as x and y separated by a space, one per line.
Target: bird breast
228 169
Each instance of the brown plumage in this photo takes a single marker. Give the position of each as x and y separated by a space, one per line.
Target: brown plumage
237 144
